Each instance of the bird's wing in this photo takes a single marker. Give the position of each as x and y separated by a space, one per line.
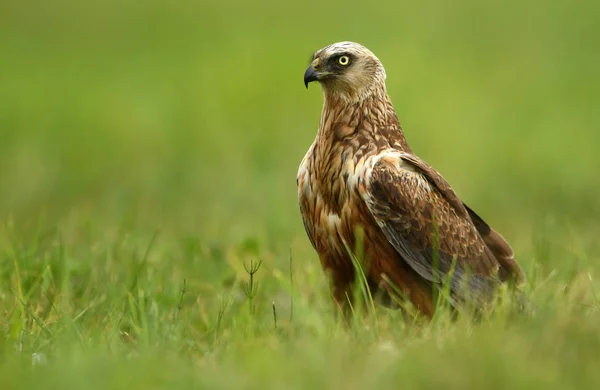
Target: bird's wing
427 224
499 247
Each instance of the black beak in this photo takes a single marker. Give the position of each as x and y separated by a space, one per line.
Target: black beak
310 75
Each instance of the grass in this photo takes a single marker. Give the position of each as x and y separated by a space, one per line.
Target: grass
148 155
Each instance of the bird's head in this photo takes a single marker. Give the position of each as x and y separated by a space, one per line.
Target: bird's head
346 70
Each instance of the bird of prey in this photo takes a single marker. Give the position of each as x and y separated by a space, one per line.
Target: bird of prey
360 177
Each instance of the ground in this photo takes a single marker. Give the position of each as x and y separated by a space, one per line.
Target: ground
149 152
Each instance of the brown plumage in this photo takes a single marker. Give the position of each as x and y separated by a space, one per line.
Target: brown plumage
360 173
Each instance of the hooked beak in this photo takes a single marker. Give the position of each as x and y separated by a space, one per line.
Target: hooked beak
310 75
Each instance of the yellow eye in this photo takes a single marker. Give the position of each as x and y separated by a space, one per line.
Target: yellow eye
344 60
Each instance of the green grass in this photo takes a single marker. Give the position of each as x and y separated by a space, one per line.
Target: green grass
147 147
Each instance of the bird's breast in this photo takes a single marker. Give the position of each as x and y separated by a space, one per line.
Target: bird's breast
330 202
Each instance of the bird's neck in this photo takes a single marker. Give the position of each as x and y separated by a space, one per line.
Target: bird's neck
372 117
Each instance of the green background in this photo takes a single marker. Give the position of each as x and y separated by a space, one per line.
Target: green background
144 143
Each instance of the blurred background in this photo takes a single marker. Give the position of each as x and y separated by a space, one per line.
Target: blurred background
190 117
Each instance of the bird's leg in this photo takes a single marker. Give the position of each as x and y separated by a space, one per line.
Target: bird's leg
344 303
343 296
410 292
382 294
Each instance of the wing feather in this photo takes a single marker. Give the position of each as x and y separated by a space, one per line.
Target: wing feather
428 225
499 247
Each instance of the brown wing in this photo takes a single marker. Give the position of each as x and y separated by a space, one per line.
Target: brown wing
428 225
502 251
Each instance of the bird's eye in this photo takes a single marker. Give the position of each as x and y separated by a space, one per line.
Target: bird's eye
344 60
